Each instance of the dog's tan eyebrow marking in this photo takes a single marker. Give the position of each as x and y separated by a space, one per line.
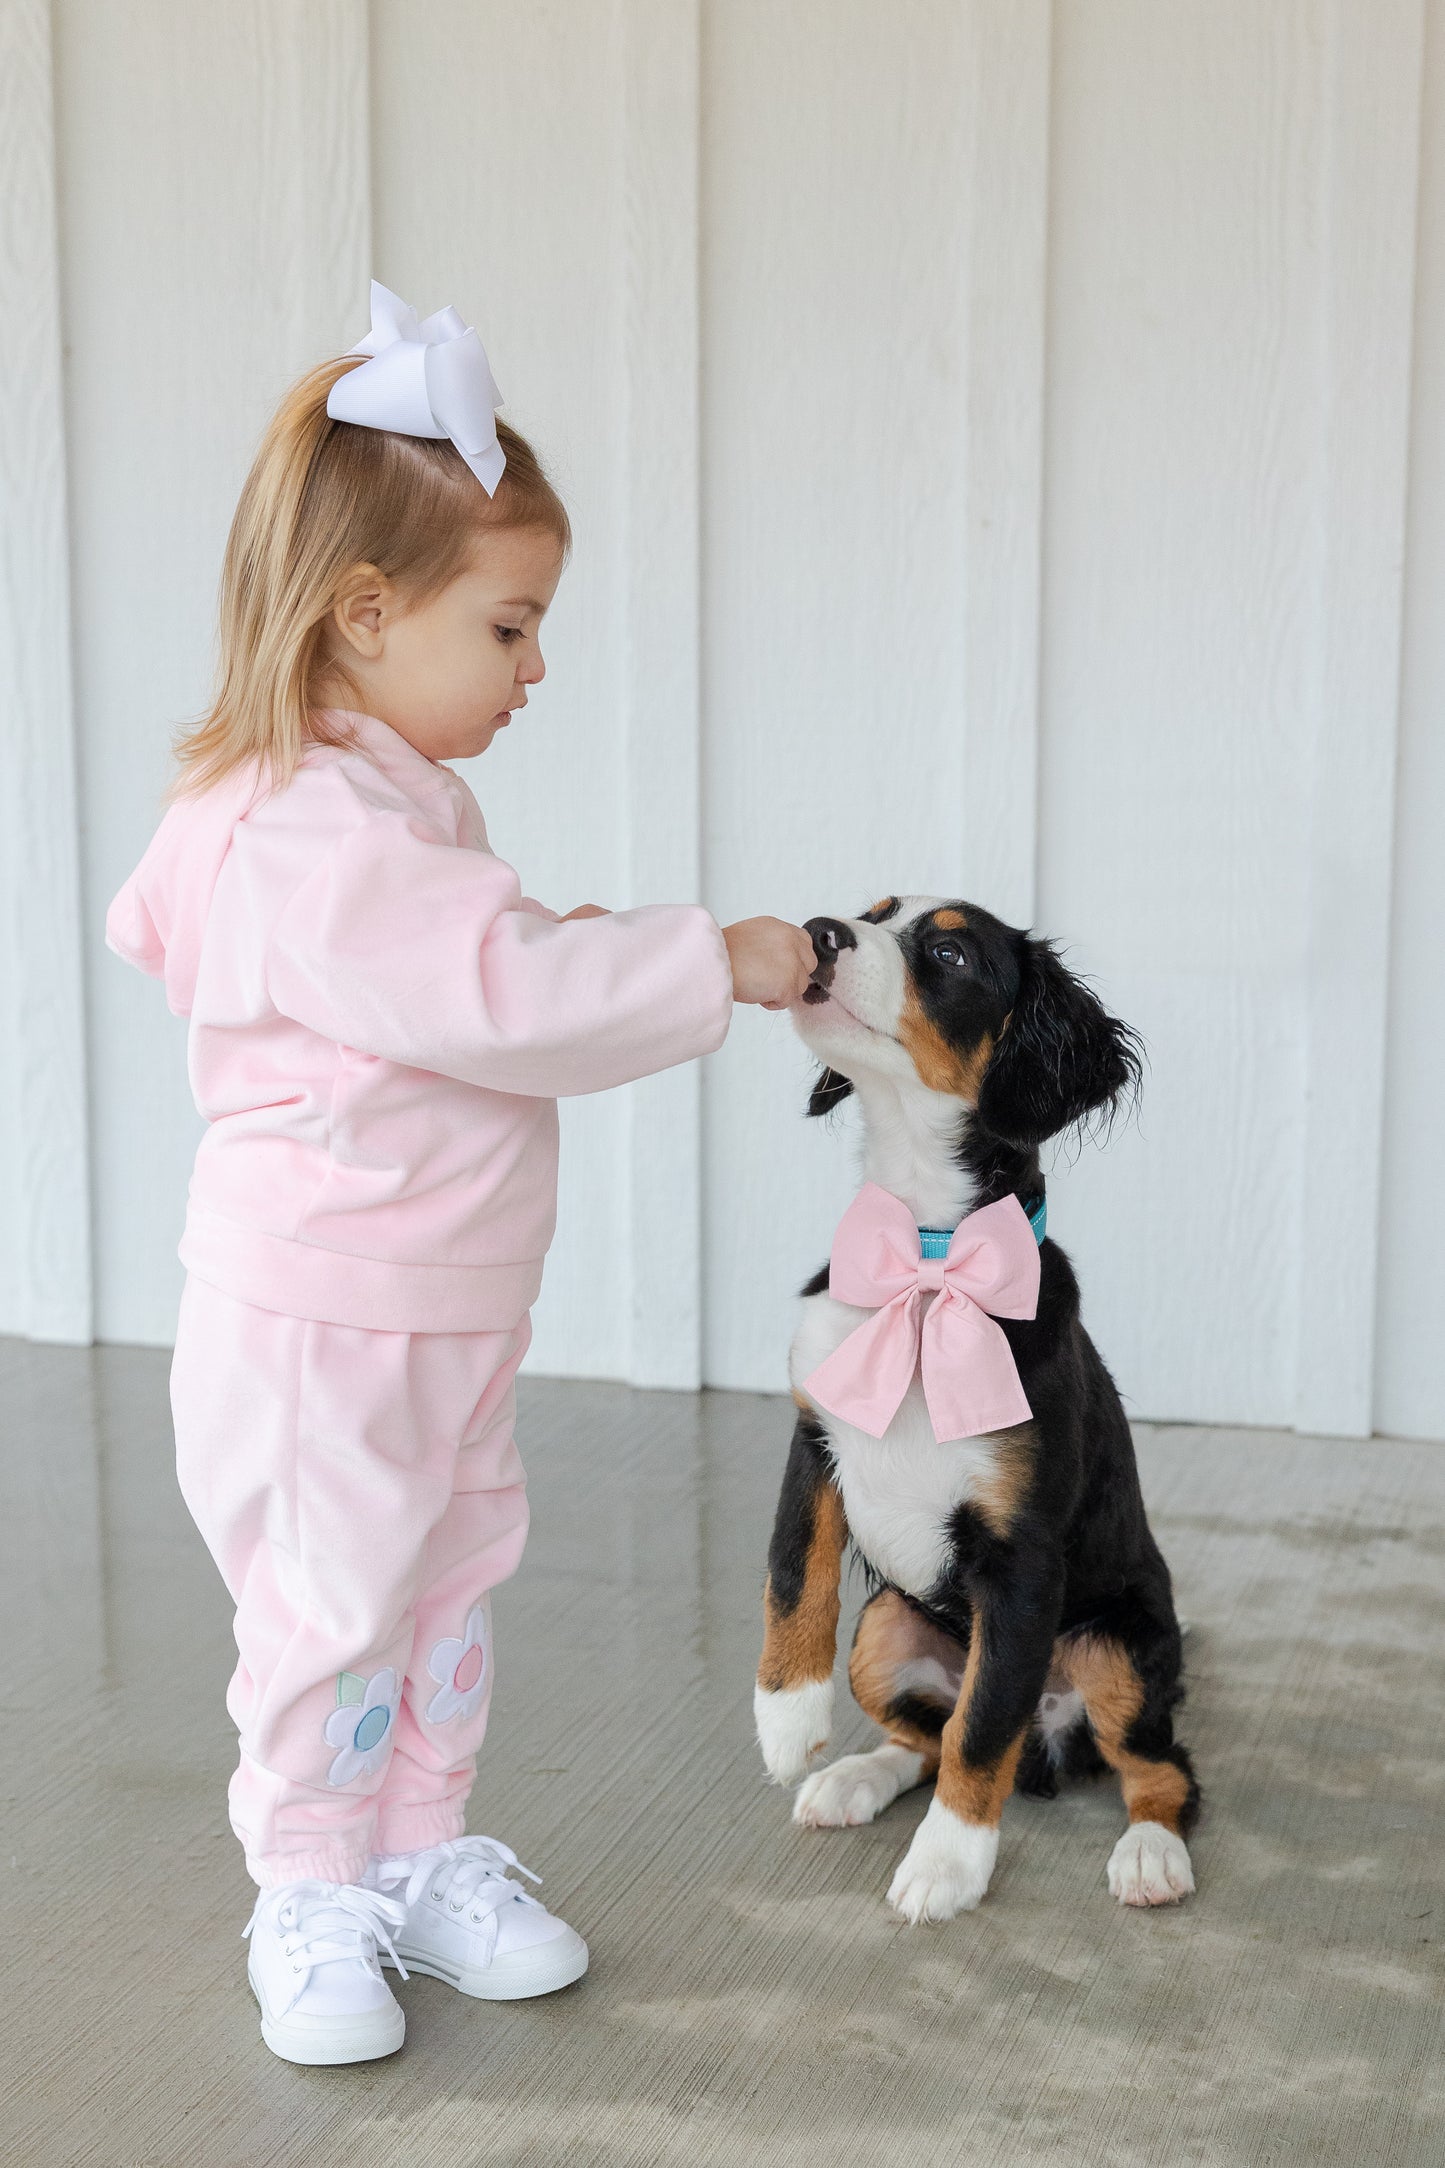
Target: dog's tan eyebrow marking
884 908
950 920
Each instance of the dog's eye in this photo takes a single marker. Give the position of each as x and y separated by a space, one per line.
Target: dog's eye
947 952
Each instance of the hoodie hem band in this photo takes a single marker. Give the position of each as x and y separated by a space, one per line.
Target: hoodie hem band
297 1279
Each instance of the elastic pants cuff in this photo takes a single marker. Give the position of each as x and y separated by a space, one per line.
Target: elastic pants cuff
277 1869
412 1829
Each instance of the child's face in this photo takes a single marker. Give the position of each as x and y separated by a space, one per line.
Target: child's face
448 673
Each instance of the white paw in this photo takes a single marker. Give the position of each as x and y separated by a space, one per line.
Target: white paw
856 1788
1150 1866
946 1869
793 1726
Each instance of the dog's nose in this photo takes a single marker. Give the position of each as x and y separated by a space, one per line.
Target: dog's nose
829 937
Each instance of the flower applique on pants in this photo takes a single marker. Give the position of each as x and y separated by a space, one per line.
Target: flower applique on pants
361 1494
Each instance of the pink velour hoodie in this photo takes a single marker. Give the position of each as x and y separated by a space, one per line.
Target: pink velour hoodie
380 1026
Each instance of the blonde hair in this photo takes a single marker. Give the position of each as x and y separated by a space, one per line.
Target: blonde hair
321 497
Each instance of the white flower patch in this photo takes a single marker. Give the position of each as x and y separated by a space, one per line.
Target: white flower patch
461 1669
361 1723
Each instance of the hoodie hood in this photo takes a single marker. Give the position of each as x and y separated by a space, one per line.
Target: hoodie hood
158 921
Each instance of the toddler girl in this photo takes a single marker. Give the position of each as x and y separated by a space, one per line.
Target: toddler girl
380 1024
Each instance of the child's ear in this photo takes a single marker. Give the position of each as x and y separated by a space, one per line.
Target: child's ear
830 1091
1061 1057
362 608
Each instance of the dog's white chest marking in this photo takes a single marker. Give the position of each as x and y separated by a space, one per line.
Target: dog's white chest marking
900 1490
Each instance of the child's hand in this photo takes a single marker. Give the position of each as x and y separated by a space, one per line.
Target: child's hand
587 910
772 961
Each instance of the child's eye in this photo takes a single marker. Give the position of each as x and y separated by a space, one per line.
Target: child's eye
507 633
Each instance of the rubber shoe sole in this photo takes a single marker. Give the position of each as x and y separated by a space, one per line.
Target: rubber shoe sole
540 1970
318 2041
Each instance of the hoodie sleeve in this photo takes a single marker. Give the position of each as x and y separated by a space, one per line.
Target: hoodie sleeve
409 948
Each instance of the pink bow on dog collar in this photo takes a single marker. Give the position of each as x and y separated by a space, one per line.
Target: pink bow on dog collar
970 1380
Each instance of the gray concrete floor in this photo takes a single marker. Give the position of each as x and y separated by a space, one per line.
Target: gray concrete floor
751 2001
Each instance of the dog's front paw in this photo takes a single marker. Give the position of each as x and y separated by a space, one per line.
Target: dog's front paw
946 1869
1150 1866
856 1788
793 1726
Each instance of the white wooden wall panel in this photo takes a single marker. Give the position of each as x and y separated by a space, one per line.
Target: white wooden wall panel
1229 371
985 425
1367 257
1409 1371
853 544
1181 519
214 215
45 1265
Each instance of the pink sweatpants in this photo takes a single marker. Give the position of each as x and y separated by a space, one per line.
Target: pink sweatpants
362 1495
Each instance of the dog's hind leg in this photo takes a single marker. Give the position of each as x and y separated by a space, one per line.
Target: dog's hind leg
1130 1684
905 1673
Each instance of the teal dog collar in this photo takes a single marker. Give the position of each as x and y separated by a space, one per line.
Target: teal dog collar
934 1241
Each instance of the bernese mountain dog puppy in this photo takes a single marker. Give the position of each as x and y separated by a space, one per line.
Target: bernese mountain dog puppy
1021 1623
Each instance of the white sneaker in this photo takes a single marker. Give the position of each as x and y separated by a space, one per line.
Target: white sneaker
467 1924
313 1968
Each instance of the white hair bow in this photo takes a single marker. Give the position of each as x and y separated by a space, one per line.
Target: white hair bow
429 379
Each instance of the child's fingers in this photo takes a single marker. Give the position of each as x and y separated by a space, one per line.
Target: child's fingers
794 960
794 969
772 961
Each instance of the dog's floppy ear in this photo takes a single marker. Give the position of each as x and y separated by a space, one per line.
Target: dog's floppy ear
830 1091
1061 1058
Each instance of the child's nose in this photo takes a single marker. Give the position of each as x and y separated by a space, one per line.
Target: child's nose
533 672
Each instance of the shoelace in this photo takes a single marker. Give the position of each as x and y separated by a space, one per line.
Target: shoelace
470 1873
321 1922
